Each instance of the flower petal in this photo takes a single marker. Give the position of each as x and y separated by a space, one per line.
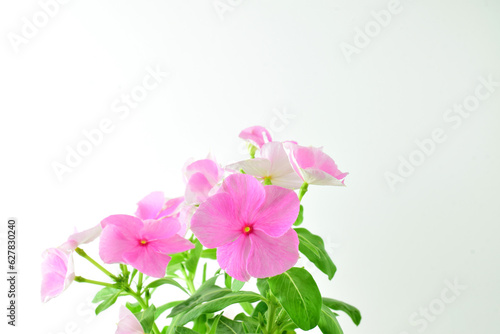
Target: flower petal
150 206
256 167
159 229
279 211
197 189
215 223
257 135
172 245
85 237
206 167
57 272
129 224
171 207
247 194
128 323
115 242
272 256
233 258
147 261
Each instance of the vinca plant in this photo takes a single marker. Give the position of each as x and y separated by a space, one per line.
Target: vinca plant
246 217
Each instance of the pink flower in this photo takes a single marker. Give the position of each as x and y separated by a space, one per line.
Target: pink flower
272 166
256 135
155 206
128 323
144 245
251 226
314 166
57 264
202 178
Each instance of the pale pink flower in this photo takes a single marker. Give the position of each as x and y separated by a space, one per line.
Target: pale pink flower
272 166
57 264
203 177
155 206
314 166
256 135
144 245
250 224
128 323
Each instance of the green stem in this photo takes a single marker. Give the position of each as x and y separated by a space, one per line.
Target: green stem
189 280
82 253
144 306
80 279
303 190
139 284
270 318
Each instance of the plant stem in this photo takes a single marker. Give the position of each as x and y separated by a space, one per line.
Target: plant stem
144 306
270 318
80 279
303 190
82 253
139 284
189 280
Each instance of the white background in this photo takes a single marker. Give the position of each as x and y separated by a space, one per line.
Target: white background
395 248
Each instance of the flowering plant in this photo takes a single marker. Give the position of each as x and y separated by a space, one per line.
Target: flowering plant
246 217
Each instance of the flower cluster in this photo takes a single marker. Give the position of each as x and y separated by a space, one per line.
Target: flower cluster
242 215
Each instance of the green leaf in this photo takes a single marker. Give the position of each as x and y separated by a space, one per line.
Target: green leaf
107 303
194 257
165 280
227 326
313 247
350 310
175 263
299 295
228 280
215 322
263 286
328 322
300 217
147 318
105 294
247 307
209 253
236 285
184 330
217 304
165 307
260 308
200 324
205 292
134 308
250 324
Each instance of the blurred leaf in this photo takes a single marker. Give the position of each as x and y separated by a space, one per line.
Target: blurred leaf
105 294
107 303
328 322
194 257
237 285
300 217
163 281
147 319
350 310
209 254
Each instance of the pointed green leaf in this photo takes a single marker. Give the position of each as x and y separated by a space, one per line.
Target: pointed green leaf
165 307
134 308
350 310
313 247
105 294
228 326
328 322
147 318
165 280
299 295
107 303
236 285
194 257
209 253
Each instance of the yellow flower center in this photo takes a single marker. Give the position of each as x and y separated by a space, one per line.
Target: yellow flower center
144 242
247 229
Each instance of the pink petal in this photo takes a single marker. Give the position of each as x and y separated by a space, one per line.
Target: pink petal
233 258
206 167
57 272
172 245
247 194
115 241
279 211
215 223
85 237
128 323
129 224
150 206
147 261
319 177
159 229
257 135
197 189
171 207
272 256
